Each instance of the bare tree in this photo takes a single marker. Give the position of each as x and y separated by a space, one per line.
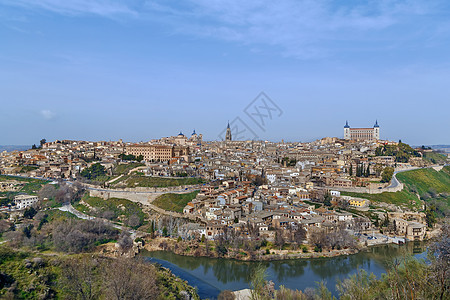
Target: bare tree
125 242
79 278
130 280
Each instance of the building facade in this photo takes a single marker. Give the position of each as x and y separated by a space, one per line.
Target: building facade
362 134
24 201
158 152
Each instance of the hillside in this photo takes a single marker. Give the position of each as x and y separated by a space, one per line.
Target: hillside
174 202
428 183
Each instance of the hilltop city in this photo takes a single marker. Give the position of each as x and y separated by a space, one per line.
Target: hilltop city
252 187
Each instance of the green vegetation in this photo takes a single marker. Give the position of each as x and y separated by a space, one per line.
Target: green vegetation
428 183
124 156
387 174
435 157
147 181
408 278
174 202
27 275
114 209
31 187
121 169
402 152
93 172
26 169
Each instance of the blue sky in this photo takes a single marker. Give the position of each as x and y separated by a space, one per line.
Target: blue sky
136 70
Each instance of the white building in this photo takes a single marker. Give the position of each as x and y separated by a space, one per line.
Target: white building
24 201
362 134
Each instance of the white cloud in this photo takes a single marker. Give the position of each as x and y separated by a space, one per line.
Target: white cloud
105 8
47 114
300 28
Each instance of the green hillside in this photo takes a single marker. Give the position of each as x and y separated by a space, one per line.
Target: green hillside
428 183
435 157
174 202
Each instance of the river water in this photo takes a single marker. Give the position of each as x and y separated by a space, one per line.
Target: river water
212 275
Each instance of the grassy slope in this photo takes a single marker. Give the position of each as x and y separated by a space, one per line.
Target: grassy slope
174 202
147 181
422 180
124 168
435 157
426 179
99 206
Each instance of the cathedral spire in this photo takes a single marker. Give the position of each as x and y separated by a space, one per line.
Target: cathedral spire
228 134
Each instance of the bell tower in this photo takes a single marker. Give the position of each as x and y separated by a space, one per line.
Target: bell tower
228 134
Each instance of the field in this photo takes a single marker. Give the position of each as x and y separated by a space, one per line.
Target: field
147 181
428 183
174 202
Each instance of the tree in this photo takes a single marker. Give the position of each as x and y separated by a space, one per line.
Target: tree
279 238
125 242
327 199
42 142
134 221
94 171
300 235
430 216
129 279
387 174
27 230
350 172
79 278
29 213
34 146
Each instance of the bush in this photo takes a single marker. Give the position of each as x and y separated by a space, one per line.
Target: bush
81 235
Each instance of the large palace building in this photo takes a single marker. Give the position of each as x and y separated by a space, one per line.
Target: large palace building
158 152
362 134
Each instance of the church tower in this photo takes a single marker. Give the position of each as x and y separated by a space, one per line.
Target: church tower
376 131
347 135
228 134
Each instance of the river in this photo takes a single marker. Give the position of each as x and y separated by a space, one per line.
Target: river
212 275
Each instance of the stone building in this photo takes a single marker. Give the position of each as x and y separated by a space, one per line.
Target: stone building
362 134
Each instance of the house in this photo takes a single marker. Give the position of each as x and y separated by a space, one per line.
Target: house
24 201
410 229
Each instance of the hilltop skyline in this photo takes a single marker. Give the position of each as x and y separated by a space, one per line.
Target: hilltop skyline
105 70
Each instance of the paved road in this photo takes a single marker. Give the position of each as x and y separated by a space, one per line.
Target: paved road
394 180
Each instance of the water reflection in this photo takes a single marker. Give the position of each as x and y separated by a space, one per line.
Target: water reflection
295 274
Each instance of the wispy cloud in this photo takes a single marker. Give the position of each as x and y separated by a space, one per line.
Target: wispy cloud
300 28
47 114
105 8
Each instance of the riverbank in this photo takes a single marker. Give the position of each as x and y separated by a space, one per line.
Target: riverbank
213 275
207 249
